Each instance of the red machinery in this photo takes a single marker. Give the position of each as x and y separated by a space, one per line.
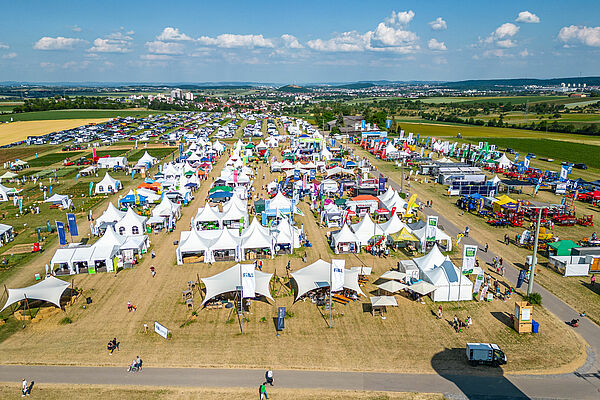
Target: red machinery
586 220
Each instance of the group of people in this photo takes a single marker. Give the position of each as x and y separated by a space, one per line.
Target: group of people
262 389
112 346
131 307
136 365
497 264
459 324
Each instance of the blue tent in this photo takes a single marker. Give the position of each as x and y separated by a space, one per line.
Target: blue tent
130 199
220 195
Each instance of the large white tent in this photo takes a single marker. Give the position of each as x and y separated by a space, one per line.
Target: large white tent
231 279
146 159
108 185
50 290
438 270
110 215
131 224
167 209
440 236
310 277
256 237
345 241
366 229
393 225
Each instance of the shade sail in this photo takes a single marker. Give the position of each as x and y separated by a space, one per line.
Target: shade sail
50 290
307 278
394 275
384 301
229 281
422 288
392 286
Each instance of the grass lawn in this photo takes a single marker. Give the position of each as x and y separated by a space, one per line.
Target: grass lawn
112 152
158 152
102 392
77 114
504 100
53 158
22 152
560 150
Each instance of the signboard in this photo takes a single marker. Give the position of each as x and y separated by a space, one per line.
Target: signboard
62 236
521 278
478 282
431 229
564 172
469 252
363 124
161 330
248 280
381 184
72 224
337 275
281 318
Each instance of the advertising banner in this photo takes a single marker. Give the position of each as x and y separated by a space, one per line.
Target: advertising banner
431 229
248 280
72 224
337 275
469 253
62 235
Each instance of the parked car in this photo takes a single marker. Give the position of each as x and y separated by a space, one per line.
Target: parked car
509 150
580 166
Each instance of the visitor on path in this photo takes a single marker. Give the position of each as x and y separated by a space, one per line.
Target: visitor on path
469 322
153 271
24 387
262 391
153 254
486 248
593 280
138 363
466 231
440 312
269 377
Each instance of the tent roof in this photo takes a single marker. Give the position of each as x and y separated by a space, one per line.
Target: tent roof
225 241
110 214
132 218
394 275
345 235
430 260
107 180
404 236
384 301
422 287
50 290
207 214
392 286
393 225
366 229
56 198
319 271
280 202
387 195
230 279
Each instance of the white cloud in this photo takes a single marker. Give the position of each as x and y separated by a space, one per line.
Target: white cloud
4 46
158 47
172 34
76 28
440 60
506 43
9 56
155 57
75 65
47 65
525 53
57 43
495 53
391 36
116 42
528 18
345 42
589 36
291 41
229 40
438 24
506 30
434 44
400 17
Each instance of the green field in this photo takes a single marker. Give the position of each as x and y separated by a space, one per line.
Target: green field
157 152
504 100
49 159
111 153
76 114
557 149
449 130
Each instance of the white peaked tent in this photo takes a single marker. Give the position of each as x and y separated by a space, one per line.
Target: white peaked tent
396 201
146 159
440 236
108 185
431 259
218 146
233 214
50 290
3 193
504 162
192 244
387 195
261 145
280 202
167 209
131 224
450 284
496 180
366 229
286 234
256 237
310 277
272 141
229 281
392 226
345 236
326 154
207 214
226 241
150 195
391 150
61 199
111 214
106 248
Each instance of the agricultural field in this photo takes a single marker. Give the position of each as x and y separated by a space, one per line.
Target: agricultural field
77 114
504 100
53 158
16 131
158 152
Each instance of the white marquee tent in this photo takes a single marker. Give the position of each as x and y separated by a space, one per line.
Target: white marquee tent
50 290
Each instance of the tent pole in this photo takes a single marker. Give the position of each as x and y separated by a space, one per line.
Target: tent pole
29 308
330 311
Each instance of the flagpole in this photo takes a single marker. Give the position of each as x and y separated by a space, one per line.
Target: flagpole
330 285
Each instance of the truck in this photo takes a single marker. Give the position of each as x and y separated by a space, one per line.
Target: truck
485 353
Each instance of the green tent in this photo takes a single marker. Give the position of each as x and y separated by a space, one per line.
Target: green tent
259 206
339 202
221 189
562 247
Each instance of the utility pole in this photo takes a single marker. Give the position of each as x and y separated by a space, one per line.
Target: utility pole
402 175
535 247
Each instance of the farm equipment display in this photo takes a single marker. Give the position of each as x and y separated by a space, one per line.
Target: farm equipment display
586 220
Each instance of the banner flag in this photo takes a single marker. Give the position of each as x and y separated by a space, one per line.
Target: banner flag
281 318
388 123
469 253
20 205
564 172
526 162
62 235
248 280
431 229
363 124
91 186
72 224
337 275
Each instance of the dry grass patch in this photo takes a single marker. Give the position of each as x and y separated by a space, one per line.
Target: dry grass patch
20 130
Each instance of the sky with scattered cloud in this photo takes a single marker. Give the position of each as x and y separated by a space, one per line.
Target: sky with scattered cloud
310 41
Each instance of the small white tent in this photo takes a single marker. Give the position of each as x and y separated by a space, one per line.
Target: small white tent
108 185
311 277
131 224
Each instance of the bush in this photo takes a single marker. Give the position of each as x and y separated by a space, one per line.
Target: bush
534 298
66 321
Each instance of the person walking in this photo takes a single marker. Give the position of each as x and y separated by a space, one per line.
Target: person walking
262 391
593 280
24 387
486 248
269 377
439 313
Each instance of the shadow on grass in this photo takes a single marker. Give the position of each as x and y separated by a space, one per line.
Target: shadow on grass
503 317
593 287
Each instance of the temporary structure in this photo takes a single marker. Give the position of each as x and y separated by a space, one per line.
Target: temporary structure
256 237
50 290
345 241
60 199
207 218
393 225
318 274
110 215
108 185
231 279
146 159
167 209
423 288
440 236
366 229
392 286
131 224
394 275
379 303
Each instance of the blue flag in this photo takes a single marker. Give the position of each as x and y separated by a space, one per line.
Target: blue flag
91 186
388 123
77 177
72 224
62 236
49 190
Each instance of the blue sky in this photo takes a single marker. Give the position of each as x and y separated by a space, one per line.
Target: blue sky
305 41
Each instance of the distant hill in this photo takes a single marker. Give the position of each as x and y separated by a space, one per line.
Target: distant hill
294 89
357 85
496 83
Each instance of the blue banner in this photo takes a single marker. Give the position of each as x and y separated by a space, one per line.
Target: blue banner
77 177
91 186
381 184
521 278
516 157
49 191
296 174
418 134
72 224
281 318
388 123
62 235
313 173
363 124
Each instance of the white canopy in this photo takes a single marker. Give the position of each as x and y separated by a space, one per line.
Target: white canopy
111 214
310 277
50 290
146 159
431 259
383 301
503 161
280 202
393 225
108 184
230 279
131 224
366 229
389 193
440 235
394 275
392 286
166 208
345 235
